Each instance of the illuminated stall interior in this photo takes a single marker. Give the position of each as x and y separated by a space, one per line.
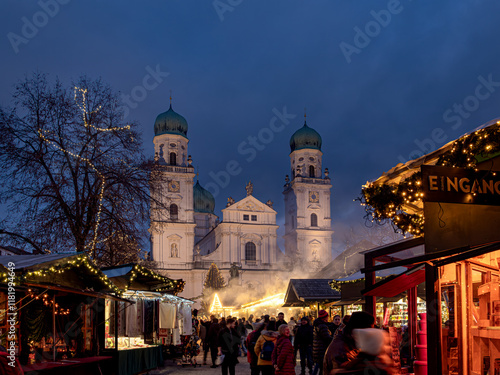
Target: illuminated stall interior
135 331
137 324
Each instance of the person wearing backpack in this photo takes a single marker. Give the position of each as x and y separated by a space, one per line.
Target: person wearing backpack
250 343
264 349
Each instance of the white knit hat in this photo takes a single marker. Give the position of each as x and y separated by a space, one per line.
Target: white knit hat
370 340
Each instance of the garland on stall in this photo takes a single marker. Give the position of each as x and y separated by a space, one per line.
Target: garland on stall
385 202
81 261
175 286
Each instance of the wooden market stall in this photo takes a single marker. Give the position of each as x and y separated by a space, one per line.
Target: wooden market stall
136 333
60 318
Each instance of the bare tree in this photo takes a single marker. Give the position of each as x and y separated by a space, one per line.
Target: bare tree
72 172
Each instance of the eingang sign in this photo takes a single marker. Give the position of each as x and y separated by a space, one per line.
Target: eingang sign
457 185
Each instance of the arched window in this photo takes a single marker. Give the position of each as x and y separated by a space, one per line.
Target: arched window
174 212
173 158
250 251
311 171
314 220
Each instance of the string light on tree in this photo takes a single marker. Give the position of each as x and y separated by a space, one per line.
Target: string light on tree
80 96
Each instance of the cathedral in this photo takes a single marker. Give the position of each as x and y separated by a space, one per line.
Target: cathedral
187 236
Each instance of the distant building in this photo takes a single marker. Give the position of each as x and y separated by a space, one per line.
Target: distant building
187 236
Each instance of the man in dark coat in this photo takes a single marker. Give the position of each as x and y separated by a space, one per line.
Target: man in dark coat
280 321
303 343
205 328
321 339
211 338
228 344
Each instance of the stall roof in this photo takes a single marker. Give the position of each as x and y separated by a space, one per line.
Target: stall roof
302 291
52 269
28 261
135 277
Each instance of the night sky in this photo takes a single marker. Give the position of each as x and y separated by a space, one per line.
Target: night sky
381 80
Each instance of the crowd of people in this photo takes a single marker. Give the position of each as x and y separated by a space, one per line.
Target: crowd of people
271 346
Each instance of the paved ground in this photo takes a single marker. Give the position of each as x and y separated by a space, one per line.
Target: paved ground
172 368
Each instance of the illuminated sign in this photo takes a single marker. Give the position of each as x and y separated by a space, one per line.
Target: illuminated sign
457 185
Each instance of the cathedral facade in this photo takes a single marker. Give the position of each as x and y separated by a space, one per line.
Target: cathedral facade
187 236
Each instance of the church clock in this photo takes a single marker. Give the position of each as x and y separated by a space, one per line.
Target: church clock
313 197
173 186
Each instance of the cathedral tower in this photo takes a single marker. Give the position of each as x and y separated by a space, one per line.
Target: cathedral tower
172 224
308 232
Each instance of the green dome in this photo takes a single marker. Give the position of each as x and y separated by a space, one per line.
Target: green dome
203 200
171 122
305 137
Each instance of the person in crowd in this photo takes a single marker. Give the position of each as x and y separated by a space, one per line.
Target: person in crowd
343 348
228 344
281 320
404 347
212 334
203 337
223 323
321 339
334 324
283 353
303 344
342 325
271 326
264 350
250 343
242 332
248 324
291 325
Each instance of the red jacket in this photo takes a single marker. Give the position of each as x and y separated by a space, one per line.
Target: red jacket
283 356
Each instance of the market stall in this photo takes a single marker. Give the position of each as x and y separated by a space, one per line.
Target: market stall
58 301
311 295
449 199
137 331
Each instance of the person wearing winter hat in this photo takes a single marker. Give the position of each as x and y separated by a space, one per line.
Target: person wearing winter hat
373 357
322 337
344 347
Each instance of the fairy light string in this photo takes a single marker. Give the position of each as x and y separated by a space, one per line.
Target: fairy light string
80 97
81 261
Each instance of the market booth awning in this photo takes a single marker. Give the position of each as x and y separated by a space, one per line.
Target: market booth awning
397 284
133 276
55 271
302 292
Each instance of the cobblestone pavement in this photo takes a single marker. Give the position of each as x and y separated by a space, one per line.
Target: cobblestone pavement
173 368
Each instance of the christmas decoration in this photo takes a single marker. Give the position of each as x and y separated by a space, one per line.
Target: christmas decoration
214 279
